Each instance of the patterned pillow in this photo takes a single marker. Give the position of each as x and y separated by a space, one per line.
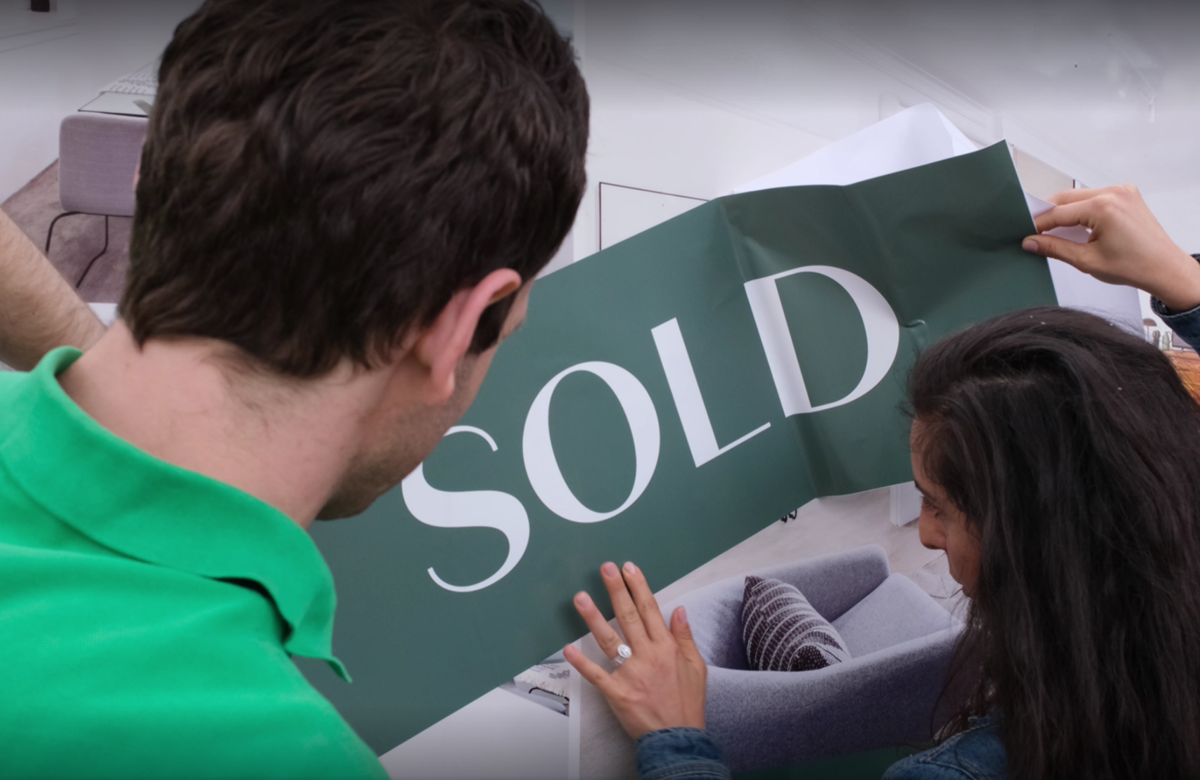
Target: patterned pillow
783 633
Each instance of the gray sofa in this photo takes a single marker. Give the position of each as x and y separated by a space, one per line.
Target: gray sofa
900 641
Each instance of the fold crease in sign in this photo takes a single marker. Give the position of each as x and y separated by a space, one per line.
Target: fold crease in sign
921 135
436 610
883 337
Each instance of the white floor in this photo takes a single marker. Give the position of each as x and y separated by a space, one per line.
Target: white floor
500 736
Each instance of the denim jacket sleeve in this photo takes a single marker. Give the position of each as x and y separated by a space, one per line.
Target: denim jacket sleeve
975 754
1186 324
680 754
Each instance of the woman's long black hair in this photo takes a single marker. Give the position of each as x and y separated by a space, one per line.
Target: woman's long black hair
1073 449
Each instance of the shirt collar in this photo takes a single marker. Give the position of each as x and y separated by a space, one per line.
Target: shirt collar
153 511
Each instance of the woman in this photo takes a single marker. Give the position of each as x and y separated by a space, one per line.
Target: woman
1059 459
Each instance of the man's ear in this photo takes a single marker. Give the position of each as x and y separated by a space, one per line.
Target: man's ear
446 341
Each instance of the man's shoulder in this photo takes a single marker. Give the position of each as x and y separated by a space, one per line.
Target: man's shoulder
12 383
138 614
187 737
122 668
22 397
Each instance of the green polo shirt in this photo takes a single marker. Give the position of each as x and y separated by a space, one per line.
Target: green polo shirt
148 614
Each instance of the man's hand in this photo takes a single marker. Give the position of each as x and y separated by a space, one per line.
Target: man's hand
662 685
1127 245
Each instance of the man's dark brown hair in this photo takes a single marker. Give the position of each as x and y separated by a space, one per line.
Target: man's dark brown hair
320 176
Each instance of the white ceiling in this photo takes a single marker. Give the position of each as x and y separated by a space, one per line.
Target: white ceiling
1078 76
1081 75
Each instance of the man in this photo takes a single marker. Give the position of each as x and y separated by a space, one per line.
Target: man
341 209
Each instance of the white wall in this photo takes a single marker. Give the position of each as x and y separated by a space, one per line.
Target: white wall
686 99
653 136
1179 213
696 99
44 81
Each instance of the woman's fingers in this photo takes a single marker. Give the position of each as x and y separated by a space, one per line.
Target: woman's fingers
1068 215
608 639
623 606
1073 196
647 606
663 684
1078 255
682 632
590 670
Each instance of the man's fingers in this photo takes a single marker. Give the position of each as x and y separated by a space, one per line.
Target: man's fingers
647 606
1061 249
606 637
591 671
623 606
683 636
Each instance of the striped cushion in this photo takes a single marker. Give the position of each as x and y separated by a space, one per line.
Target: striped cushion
783 633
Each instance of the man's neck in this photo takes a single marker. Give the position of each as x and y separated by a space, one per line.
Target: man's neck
285 442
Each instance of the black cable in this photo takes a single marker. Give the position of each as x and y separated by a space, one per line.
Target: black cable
97 257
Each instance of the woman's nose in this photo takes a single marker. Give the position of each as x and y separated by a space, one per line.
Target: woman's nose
930 531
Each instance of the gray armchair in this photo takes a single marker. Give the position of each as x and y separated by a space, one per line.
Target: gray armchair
900 641
98 156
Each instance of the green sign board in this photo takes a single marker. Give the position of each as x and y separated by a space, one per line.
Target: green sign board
667 398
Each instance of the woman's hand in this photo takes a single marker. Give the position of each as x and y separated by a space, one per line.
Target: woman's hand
662 684
1127 245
